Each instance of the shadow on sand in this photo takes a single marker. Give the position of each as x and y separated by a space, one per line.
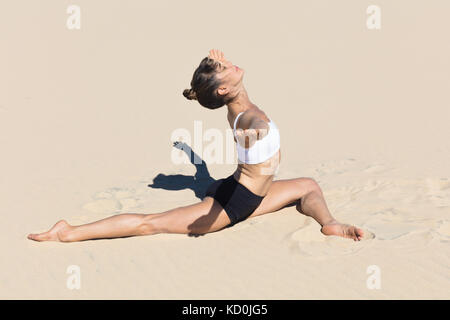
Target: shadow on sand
198 183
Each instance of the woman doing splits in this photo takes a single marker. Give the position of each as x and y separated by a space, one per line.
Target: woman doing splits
249 192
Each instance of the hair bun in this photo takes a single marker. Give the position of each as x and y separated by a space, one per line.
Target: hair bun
190 94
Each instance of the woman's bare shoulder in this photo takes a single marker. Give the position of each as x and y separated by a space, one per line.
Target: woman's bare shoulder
252 115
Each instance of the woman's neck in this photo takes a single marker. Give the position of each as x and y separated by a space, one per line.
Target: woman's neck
240 103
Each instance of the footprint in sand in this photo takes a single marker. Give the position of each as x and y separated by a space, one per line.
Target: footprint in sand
391 230
113 200
339 197
373 185
410 241
308 241
391 226
336 167
443 230
103 206
438 191
349 165
376 168
398 191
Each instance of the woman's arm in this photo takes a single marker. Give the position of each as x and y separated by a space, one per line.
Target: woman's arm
251 129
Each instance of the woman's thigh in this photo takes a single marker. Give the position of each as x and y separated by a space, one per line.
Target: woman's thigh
209 216
199 218
283 193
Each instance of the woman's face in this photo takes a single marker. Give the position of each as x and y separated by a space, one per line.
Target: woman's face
229 75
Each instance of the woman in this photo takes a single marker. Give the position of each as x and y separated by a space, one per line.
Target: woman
247 193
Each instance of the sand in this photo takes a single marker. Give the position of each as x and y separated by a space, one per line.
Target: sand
86 118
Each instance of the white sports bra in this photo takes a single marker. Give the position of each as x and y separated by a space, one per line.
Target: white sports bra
263 149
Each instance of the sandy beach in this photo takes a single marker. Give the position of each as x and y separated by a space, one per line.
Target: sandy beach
87 122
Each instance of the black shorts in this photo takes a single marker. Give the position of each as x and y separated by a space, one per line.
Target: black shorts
237 201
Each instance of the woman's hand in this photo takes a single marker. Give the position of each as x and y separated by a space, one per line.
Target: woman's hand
216 55
247 137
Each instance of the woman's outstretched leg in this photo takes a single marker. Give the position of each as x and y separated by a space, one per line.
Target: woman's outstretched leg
122 225
203 217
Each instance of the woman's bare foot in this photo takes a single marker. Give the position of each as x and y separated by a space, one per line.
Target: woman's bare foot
335 228
56 233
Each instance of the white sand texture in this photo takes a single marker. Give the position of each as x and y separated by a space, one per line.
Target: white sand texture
87 122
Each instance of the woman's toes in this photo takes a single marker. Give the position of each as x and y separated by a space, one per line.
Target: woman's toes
38 236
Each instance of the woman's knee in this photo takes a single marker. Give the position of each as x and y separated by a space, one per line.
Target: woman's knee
149 225
307 185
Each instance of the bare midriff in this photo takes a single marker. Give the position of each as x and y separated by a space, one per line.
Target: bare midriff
258 177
